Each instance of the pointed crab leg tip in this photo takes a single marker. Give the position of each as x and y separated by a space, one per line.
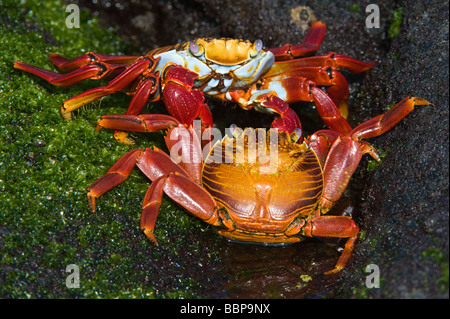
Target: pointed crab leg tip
98 127
122 137
333 271
420 101
66 115
91 201
151 236
318 22
20 66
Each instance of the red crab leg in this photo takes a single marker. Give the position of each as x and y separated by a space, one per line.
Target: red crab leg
339 92
295 81
340 164
384 122
188 148
268 101
321 142
137 123
185 148
310 44
288 123
67 65
154 163
181 100
329 112
183 191
347 150
320 75
89 65
145 89
115 175
288 120
334 226
291 89
119 83
83 73
330 60
294 85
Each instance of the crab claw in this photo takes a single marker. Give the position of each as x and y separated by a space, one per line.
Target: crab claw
290 123
269 102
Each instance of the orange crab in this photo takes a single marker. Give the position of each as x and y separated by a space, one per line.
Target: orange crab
252 199
227 69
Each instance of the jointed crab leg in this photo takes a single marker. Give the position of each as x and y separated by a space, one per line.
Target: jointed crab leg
121 82
67 65
384 122
182 100
330 60
347 150
183 191
292 79
329 112
321 142
123 167
152 162
115 175
137 123
310 44
148 85
192 160
83 68
78 75
288 120
87 66
337 227
344 155
339 92
180 184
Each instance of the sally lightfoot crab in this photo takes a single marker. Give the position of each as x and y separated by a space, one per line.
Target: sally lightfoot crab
227 69
252 199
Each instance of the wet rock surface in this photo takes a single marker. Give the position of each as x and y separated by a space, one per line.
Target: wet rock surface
401 206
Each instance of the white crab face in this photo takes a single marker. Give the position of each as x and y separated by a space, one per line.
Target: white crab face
224 63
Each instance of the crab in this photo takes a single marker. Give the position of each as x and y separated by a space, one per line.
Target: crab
226 69
273 202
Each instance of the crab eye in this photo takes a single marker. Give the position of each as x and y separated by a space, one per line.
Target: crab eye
193 47
257 47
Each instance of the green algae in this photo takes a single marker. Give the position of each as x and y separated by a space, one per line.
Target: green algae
47 163
437 256
396 22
